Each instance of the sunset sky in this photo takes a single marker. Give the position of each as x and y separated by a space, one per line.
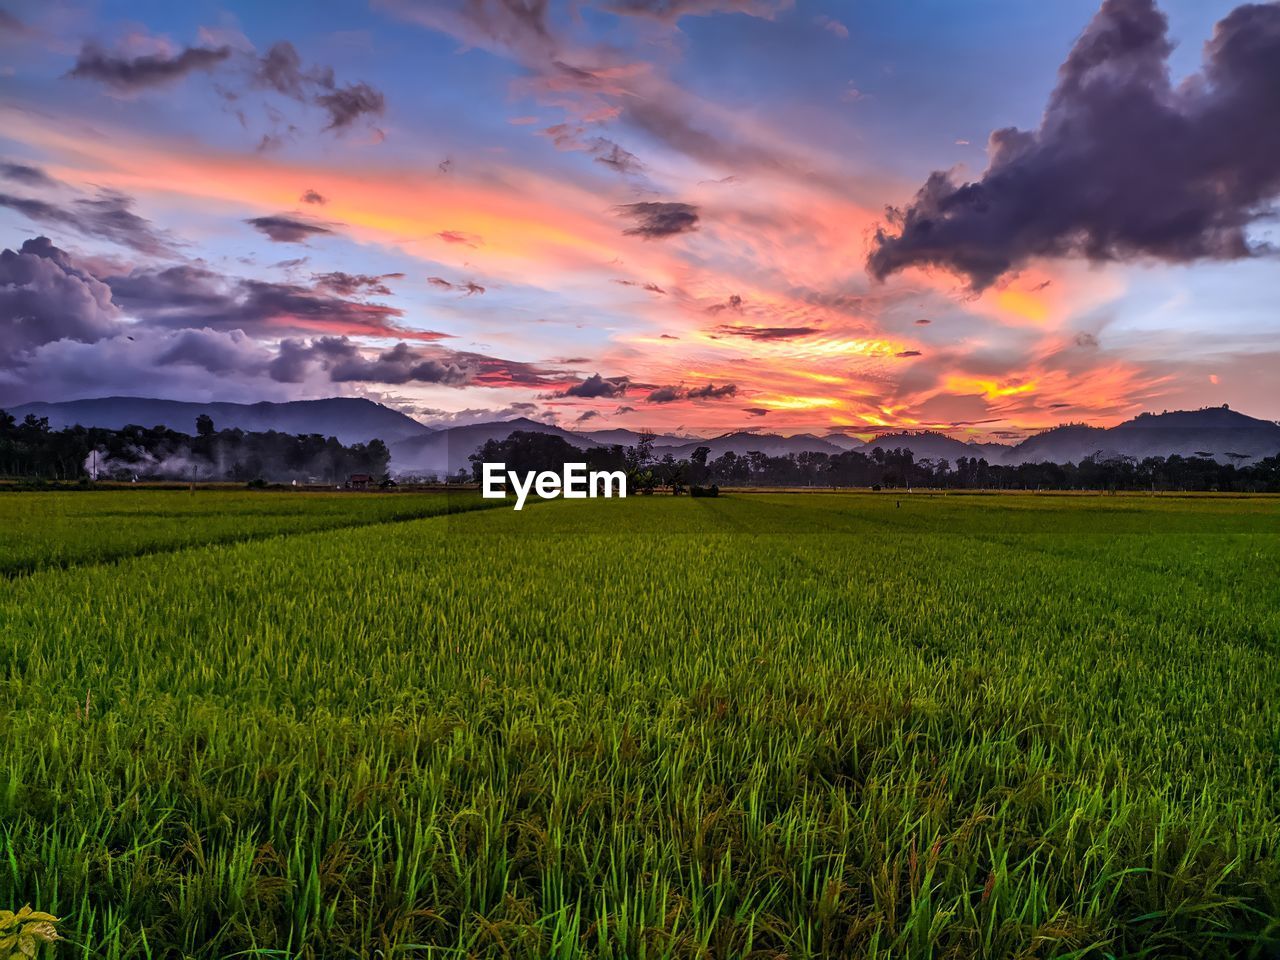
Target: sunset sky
647 213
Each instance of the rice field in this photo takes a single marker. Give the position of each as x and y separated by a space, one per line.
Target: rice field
824 725
58 529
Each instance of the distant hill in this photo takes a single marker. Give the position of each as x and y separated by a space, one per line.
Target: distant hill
447 451
1219 432
743 442
629 438
931 445
1216 432
350 419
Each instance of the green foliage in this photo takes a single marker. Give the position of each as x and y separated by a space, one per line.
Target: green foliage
752 726
22 934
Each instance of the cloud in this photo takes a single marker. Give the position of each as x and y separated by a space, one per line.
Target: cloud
282 228
194 296
908 353
734 303
670 11
832 26
712 392
280 69
45 297
651 287
400 364
755 411
128 74
923 322
186 364
614 157
458 237
587 415
352 284
624 409
1123 165
657 219
468 287
343 361
766 333
349 103
663 395
22 173
596 386
1086 340
313 196
107 217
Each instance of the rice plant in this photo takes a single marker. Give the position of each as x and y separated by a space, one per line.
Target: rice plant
750 726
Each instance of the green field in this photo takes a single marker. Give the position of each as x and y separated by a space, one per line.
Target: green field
838 725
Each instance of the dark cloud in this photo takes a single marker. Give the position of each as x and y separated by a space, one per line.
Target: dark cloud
651 287
193 296
349 103
734 303
667 336
587 415
755 411
22 173
468 287
280 69
286 229
45 297
107 217
657 219
766 333
596 386
663 395
1124 165
923 322
624 409
353 284
1086 340
672 10
314 196
211 350
908 353
400 364
712 392
615 157
128 74
344 362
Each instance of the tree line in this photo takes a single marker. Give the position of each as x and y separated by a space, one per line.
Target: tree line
30 449
895 468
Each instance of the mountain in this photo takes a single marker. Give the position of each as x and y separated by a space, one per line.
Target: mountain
932 445
629 438
350 419
1069 443
1218 432
743 442
447 451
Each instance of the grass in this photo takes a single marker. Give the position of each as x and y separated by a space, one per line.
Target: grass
755 726
39 530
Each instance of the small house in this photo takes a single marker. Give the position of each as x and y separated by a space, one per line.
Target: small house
360 481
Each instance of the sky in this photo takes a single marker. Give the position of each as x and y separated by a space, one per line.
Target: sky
691 216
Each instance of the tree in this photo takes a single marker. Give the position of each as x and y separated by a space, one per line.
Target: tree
204 425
